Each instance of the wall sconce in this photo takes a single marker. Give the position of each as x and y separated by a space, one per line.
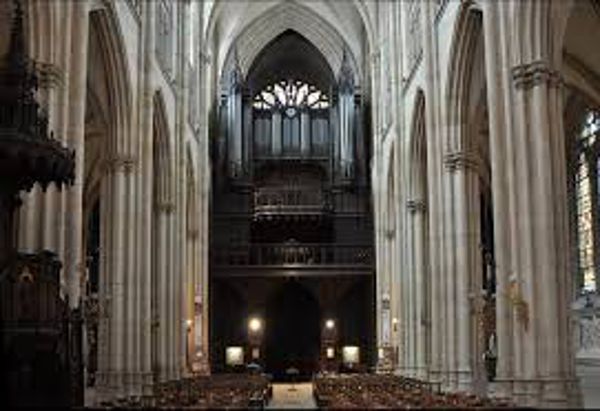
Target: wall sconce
330 324
188 325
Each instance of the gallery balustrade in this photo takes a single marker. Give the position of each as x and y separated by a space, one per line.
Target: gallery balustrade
296 200
293 254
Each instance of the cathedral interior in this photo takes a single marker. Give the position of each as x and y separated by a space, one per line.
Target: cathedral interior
371 203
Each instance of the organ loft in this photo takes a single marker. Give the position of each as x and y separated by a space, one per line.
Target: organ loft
307 204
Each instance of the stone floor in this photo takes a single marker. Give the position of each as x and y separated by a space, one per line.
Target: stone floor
292 396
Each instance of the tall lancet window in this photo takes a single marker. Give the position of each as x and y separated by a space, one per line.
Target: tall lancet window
587 186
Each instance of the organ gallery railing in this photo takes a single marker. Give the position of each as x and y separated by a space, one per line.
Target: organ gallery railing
293 254
297 200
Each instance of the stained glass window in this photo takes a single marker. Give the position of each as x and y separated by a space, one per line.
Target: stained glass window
290 94
586 197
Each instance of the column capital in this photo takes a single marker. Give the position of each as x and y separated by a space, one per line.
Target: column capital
529 75
462 160
165 206
416 206
50 76
121 162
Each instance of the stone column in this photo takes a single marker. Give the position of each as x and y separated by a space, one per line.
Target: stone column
162 268
105 299
172 285
148 318
52 78
463 167
179 185
448 284
204 201
437 200
65 85
118 323
505 215
416 209
537 294
409 285
73 267
131 273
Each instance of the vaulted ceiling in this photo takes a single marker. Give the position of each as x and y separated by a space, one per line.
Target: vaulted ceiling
249 26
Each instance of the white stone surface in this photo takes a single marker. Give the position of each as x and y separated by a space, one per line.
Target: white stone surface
292 396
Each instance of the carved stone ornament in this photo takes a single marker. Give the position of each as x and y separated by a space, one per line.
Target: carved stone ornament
122 163
416 206
527 76
462 160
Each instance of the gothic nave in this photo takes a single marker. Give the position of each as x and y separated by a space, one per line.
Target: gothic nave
393 202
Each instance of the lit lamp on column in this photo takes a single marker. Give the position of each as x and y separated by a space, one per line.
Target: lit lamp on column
329 357
255 334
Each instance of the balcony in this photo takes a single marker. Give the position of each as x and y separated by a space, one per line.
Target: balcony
277 201
292 258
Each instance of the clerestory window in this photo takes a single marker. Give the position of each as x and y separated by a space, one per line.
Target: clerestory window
290 94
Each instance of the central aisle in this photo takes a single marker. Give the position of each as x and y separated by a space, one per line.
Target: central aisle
293 396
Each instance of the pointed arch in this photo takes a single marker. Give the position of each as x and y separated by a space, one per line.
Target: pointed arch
104 24
418 149
278 19
192 193
539 28
468 31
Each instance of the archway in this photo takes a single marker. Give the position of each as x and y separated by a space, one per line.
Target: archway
292 331
228 322
469 174
355 320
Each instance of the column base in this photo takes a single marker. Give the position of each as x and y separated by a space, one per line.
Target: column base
464 380
538 392
109 386
385 362
421 373
148 381
201 367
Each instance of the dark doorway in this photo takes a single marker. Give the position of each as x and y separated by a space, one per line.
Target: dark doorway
356 320
228 322
292 331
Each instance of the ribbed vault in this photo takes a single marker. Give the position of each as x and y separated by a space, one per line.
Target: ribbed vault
247 28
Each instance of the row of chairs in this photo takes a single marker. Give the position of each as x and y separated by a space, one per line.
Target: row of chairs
204 392
362 391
